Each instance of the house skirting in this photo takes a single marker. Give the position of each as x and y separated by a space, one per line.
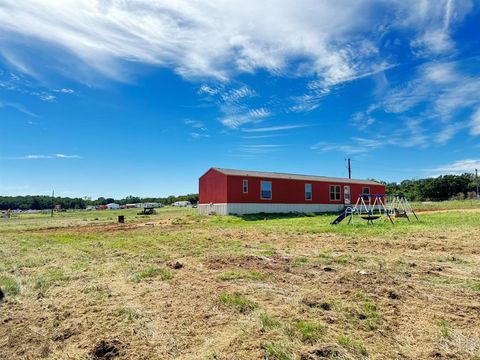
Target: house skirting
255 208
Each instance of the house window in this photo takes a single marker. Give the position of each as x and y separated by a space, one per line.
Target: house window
266 190
366 191
245 186
334 192
308 191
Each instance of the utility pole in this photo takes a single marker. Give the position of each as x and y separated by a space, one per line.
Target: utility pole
53 202
349 169
476 178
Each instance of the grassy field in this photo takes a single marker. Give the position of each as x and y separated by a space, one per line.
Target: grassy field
177 285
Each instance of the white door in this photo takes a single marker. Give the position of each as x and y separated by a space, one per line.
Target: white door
346 194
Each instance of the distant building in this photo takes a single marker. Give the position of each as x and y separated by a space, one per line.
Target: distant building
149 205
91 207
113 206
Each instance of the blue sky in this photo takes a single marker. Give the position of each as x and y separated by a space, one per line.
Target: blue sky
112 98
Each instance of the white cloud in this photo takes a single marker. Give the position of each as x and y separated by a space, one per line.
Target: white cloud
40 157
64 91
459 167
475 123
434 101
221 38
198 135
328 43
63 156
208 90
23 85
409 136
260 148
275 128
234 95
18 107
195 124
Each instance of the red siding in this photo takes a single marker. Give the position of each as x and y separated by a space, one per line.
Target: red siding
213 188
289 191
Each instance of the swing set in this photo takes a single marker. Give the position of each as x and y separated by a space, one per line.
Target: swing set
377 206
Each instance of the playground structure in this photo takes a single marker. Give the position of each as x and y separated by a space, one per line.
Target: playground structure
377 206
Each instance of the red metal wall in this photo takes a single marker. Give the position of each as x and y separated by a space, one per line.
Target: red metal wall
287 191
213 188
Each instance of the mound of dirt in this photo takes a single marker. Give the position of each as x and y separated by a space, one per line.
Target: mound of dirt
107 349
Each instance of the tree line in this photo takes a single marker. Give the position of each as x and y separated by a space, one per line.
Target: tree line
446 187
42 202
434 189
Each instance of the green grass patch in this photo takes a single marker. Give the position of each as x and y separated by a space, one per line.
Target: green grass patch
237 302
473 285
241 275
49 278
453 259
278 351
445 329
128 313
301 260
269 322
152 271
353 345
307 331
9 285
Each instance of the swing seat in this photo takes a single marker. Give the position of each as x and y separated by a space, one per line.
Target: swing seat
370 217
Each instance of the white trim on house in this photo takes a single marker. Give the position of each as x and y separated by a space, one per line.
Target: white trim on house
255 208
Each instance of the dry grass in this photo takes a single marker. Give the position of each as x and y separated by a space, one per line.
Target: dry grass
250 288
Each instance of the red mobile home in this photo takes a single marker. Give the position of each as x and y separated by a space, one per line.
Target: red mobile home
226 191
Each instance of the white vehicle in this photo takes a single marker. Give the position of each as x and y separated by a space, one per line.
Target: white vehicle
182 203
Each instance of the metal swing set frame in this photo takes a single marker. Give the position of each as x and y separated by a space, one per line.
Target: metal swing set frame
373 207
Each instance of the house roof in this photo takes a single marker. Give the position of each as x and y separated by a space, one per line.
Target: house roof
276 175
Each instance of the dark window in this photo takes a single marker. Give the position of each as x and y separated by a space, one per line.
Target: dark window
334 192
366 191
308 191
245 186
266 190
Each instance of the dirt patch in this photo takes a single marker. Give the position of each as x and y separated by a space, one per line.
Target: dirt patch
274 262
324 352
106 349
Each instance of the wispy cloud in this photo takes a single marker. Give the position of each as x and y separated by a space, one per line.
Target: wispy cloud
199 135
43 156
64 91
324 43
18 107
434 99
239 116
410 136
260 148
27 86
275 128
234 95
200 130
218 38
195 124
475 123
457 167
263 136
